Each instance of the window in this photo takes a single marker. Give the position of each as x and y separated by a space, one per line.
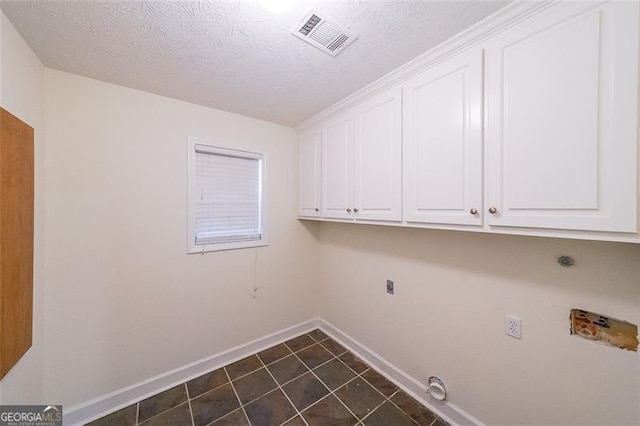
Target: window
226 198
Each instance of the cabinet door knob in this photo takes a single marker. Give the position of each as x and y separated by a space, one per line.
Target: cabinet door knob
493 210
473 211
355 210
348 210
317 209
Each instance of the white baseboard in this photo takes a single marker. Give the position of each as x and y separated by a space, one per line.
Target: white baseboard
114 401
445 409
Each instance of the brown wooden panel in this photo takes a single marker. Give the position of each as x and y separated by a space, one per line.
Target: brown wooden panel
16 239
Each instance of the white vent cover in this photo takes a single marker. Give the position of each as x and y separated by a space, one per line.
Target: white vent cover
325 34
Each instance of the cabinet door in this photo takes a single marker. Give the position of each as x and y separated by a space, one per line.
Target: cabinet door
443 143
562 113
378 158
337 167
309 171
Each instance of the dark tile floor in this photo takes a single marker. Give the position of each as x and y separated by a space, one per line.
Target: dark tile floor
309 380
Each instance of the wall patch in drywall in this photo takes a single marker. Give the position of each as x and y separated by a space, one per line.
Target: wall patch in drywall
603 329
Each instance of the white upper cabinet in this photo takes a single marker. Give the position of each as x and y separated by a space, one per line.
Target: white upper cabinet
561 147
531 128
337 167
309 145
378 158
362 161
443 143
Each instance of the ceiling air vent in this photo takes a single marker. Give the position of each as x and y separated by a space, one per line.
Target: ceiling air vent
323 33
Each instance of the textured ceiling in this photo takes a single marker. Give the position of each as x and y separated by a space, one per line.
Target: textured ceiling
236 56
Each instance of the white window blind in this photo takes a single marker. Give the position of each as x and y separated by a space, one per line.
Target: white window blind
227 196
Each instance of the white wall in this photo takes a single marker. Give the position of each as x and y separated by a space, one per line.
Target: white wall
21 93
124 300
446 318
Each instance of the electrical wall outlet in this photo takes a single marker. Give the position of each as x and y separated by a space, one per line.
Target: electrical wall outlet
389 286
513 326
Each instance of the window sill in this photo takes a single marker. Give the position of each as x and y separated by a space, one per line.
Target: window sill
227 246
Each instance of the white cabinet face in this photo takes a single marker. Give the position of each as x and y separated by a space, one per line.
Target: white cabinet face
443 143
337 167
378 157
309 173
561 120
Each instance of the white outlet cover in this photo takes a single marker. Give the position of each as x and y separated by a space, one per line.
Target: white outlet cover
513 326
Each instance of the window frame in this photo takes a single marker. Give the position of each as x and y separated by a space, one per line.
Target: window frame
192 247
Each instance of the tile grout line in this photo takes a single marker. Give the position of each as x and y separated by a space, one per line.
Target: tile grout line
390 396
244 375
317 378
346 365
323 384
357 375
388 399
298 414
212 389
281 386
316 342
268 371
229 381
301 349
311 370
163 411
326 336
334 357
290 380
360 375
236 394
398 407
258 397
332 393
193 422
384 401
223 417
